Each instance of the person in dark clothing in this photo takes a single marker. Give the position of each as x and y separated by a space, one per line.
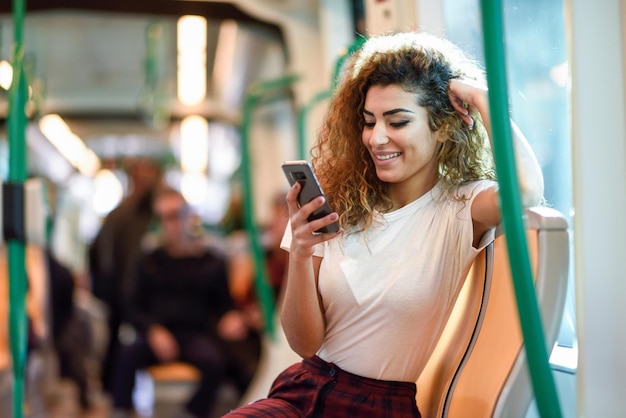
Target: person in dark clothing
114 252
68 328
181 310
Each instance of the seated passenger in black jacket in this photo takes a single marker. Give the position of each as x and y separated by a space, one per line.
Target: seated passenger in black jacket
182 310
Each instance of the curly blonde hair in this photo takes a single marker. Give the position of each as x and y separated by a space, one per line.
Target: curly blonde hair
421 64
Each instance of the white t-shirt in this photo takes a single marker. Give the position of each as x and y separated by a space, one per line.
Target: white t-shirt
388 292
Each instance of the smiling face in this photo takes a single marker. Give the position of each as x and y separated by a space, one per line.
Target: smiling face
397 135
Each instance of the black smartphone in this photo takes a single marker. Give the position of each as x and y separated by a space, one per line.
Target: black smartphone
301 171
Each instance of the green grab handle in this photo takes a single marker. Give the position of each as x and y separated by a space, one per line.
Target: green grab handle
258 94
16 252
512 218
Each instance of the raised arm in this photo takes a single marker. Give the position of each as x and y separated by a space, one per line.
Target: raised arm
468 97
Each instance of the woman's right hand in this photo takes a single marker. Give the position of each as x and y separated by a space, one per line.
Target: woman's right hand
303 235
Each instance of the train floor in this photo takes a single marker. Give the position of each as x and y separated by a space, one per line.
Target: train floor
62 402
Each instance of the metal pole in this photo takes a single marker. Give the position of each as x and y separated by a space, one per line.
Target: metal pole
258 94
13 210
528 309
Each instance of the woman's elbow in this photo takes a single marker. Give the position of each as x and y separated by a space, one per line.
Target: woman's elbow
304 343
532 190
304 347
303 351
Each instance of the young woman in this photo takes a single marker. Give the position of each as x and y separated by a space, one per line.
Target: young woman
404 158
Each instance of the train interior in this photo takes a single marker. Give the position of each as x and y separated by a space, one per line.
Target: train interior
219 93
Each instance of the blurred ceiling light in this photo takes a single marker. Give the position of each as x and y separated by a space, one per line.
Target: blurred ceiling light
225 157
108 192
192 72
6 75
69 144
217 201
193 187
194 144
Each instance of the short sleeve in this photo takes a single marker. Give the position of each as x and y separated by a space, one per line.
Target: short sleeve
285 243
472 190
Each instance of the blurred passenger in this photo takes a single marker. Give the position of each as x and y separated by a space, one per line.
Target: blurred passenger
114 252
277 258
182 310
71 333
273 352
243 272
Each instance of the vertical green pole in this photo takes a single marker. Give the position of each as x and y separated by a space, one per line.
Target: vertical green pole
528 309
255 96
261 282
17 175
153 39
152 99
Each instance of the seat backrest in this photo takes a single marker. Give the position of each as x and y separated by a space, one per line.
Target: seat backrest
455 345
479 366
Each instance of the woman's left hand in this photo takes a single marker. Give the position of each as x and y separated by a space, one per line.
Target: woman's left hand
467 96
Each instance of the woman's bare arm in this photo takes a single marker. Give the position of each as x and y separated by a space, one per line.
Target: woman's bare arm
467 97
302 315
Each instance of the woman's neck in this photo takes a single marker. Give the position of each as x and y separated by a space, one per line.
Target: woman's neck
405 193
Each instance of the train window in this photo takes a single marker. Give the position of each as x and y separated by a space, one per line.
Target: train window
536 59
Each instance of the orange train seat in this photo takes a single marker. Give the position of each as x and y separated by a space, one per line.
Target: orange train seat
478 368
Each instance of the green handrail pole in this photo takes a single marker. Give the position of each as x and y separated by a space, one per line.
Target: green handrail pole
263 290
253 98
323 95
528 309
17 175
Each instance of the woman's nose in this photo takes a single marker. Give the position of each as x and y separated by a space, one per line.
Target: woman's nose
379 135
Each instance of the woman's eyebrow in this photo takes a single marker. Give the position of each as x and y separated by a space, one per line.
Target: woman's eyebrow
389 112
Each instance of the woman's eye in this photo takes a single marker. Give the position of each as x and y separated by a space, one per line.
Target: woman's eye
369 124
399 124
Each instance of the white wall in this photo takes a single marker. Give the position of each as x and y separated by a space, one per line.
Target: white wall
599 164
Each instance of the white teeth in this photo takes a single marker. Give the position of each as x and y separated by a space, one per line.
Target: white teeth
388 156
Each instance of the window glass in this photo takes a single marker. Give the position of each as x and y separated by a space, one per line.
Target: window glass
536 59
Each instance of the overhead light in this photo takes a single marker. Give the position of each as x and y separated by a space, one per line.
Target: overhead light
194 144
192 72
108 192
6 75
193 187
69 144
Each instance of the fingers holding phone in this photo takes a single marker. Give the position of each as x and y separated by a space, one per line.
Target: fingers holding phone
307 215
300 172
311 218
